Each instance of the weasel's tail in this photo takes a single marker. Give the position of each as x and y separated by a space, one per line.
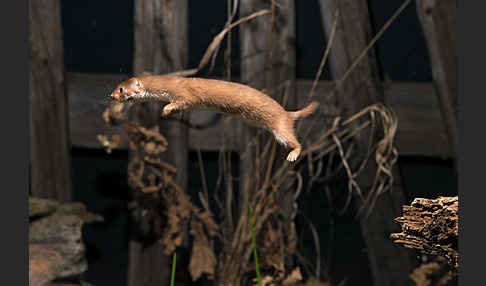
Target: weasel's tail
304 111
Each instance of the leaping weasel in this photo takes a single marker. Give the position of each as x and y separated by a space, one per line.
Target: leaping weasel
244 102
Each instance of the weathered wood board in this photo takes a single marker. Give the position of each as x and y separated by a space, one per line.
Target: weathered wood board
50 160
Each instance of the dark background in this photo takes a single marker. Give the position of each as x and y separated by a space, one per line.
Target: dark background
98 38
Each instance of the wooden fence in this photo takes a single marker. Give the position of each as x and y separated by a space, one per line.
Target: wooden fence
67 107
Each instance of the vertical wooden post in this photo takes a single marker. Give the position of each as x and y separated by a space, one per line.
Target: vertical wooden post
438 20
260 69
50 161
390 265
160 47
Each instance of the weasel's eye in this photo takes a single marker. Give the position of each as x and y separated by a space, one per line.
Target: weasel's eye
121 89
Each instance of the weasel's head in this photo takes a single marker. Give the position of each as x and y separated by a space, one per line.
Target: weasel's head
129 91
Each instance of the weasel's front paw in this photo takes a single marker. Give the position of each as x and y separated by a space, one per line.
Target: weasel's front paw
166 111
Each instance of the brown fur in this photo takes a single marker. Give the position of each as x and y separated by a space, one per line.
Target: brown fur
231 98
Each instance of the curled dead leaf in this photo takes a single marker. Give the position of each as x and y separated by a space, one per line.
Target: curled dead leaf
153 148
178 212
110 143
203 260
113 114
273 247
294 277
437 272
267 280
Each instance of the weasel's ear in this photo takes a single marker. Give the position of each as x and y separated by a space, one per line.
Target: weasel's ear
138 85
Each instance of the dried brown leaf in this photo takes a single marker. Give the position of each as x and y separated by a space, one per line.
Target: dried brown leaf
294 277
110 143
210 225
267 280
436 273
113 114
178 213
203 260
273 247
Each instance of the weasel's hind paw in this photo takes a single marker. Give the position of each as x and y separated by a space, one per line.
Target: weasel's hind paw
293 155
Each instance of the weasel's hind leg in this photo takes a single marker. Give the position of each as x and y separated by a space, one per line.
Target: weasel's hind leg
286 137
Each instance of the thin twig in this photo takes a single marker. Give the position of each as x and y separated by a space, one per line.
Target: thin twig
203 177
317 245
326 54
253 240
373 41
216 42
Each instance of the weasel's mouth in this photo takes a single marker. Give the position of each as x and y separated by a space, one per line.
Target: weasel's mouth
132 98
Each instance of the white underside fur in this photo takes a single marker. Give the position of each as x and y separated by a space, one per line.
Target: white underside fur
280 139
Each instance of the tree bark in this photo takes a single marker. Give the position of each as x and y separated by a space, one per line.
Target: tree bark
432 227
160 47
438 20
389 265
50 161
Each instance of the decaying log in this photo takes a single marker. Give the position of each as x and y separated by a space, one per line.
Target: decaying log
435 273
45 264
431 226
56 248
41 207
63 234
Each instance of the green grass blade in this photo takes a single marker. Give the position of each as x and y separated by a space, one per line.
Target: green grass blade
172 276
255 254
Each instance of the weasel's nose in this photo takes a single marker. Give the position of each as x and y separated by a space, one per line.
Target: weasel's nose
113 96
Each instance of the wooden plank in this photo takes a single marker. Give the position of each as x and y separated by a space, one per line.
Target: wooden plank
421 130
160 47
389 264
438 20
420 127
50 163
